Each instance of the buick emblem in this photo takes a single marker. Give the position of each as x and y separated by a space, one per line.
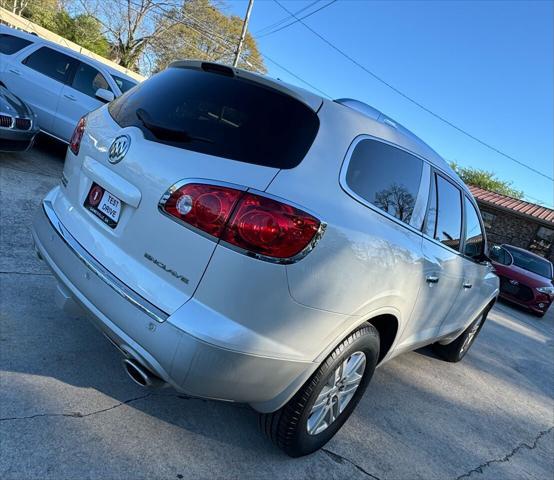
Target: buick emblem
119 148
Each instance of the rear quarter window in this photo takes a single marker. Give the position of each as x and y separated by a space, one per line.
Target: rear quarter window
10 44
227 117
386 177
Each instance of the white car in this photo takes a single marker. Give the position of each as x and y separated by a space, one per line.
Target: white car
245 240
60 85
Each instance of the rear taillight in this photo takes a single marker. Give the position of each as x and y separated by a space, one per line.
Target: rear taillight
255 224
206 207
75 142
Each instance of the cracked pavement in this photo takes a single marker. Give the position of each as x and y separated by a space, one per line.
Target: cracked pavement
67 409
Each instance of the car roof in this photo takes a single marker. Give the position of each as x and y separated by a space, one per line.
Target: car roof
73 53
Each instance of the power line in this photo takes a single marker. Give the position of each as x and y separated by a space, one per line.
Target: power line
410 99
296 76
284 19
297 20
226 45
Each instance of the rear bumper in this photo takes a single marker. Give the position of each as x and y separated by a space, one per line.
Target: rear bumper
147 334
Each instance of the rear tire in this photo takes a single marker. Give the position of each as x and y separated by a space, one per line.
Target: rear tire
288 427
456 350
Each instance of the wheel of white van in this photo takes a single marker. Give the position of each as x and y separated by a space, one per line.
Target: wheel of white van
456 350
318 410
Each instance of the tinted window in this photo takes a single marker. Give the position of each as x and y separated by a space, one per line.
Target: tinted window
123 84
449 213
500 255
50 62
431 219
87 80
474 239
219 115
10 44
488 218
385 176
531 262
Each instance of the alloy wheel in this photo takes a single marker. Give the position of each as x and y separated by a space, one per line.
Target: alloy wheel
336 393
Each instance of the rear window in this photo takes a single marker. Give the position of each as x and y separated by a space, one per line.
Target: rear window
9 44
219 115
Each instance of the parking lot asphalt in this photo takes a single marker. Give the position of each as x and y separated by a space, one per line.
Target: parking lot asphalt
68 411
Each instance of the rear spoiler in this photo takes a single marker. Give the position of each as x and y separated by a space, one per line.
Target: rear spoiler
309 99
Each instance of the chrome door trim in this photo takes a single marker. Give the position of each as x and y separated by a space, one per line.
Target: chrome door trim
99 270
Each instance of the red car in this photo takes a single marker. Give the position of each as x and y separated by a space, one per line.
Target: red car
525 278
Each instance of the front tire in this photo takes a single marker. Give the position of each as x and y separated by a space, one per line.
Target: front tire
456 350
318 410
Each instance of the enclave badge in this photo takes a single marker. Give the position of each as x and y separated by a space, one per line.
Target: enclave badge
119 148
163 266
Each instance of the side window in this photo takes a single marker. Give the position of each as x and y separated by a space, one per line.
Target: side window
488 219
123 84
431 220
386 177
10 44
444 216
474 238
500 255
51 63
87 80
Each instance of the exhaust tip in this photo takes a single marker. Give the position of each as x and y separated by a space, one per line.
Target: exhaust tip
140 374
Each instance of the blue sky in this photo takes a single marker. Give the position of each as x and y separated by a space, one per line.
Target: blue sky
485 66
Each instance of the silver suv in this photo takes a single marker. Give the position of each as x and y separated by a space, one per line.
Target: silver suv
246 240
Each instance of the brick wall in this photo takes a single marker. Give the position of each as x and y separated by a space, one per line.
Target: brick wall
512 229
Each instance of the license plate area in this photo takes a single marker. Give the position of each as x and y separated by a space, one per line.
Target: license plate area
104 205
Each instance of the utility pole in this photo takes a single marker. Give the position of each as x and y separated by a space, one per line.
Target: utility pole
243 33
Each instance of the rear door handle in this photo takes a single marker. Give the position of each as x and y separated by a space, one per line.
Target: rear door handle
13 70
432 279
70 97
467 285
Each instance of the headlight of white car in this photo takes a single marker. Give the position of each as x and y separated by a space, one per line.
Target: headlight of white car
547 290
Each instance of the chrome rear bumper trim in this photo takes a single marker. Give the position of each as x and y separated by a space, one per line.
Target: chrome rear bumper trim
100 271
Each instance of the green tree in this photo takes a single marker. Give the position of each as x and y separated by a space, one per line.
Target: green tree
487 180
84 29
201 30
87 32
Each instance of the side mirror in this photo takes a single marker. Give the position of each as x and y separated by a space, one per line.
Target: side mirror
104 95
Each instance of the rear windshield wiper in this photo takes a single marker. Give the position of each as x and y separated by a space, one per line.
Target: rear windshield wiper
167 133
